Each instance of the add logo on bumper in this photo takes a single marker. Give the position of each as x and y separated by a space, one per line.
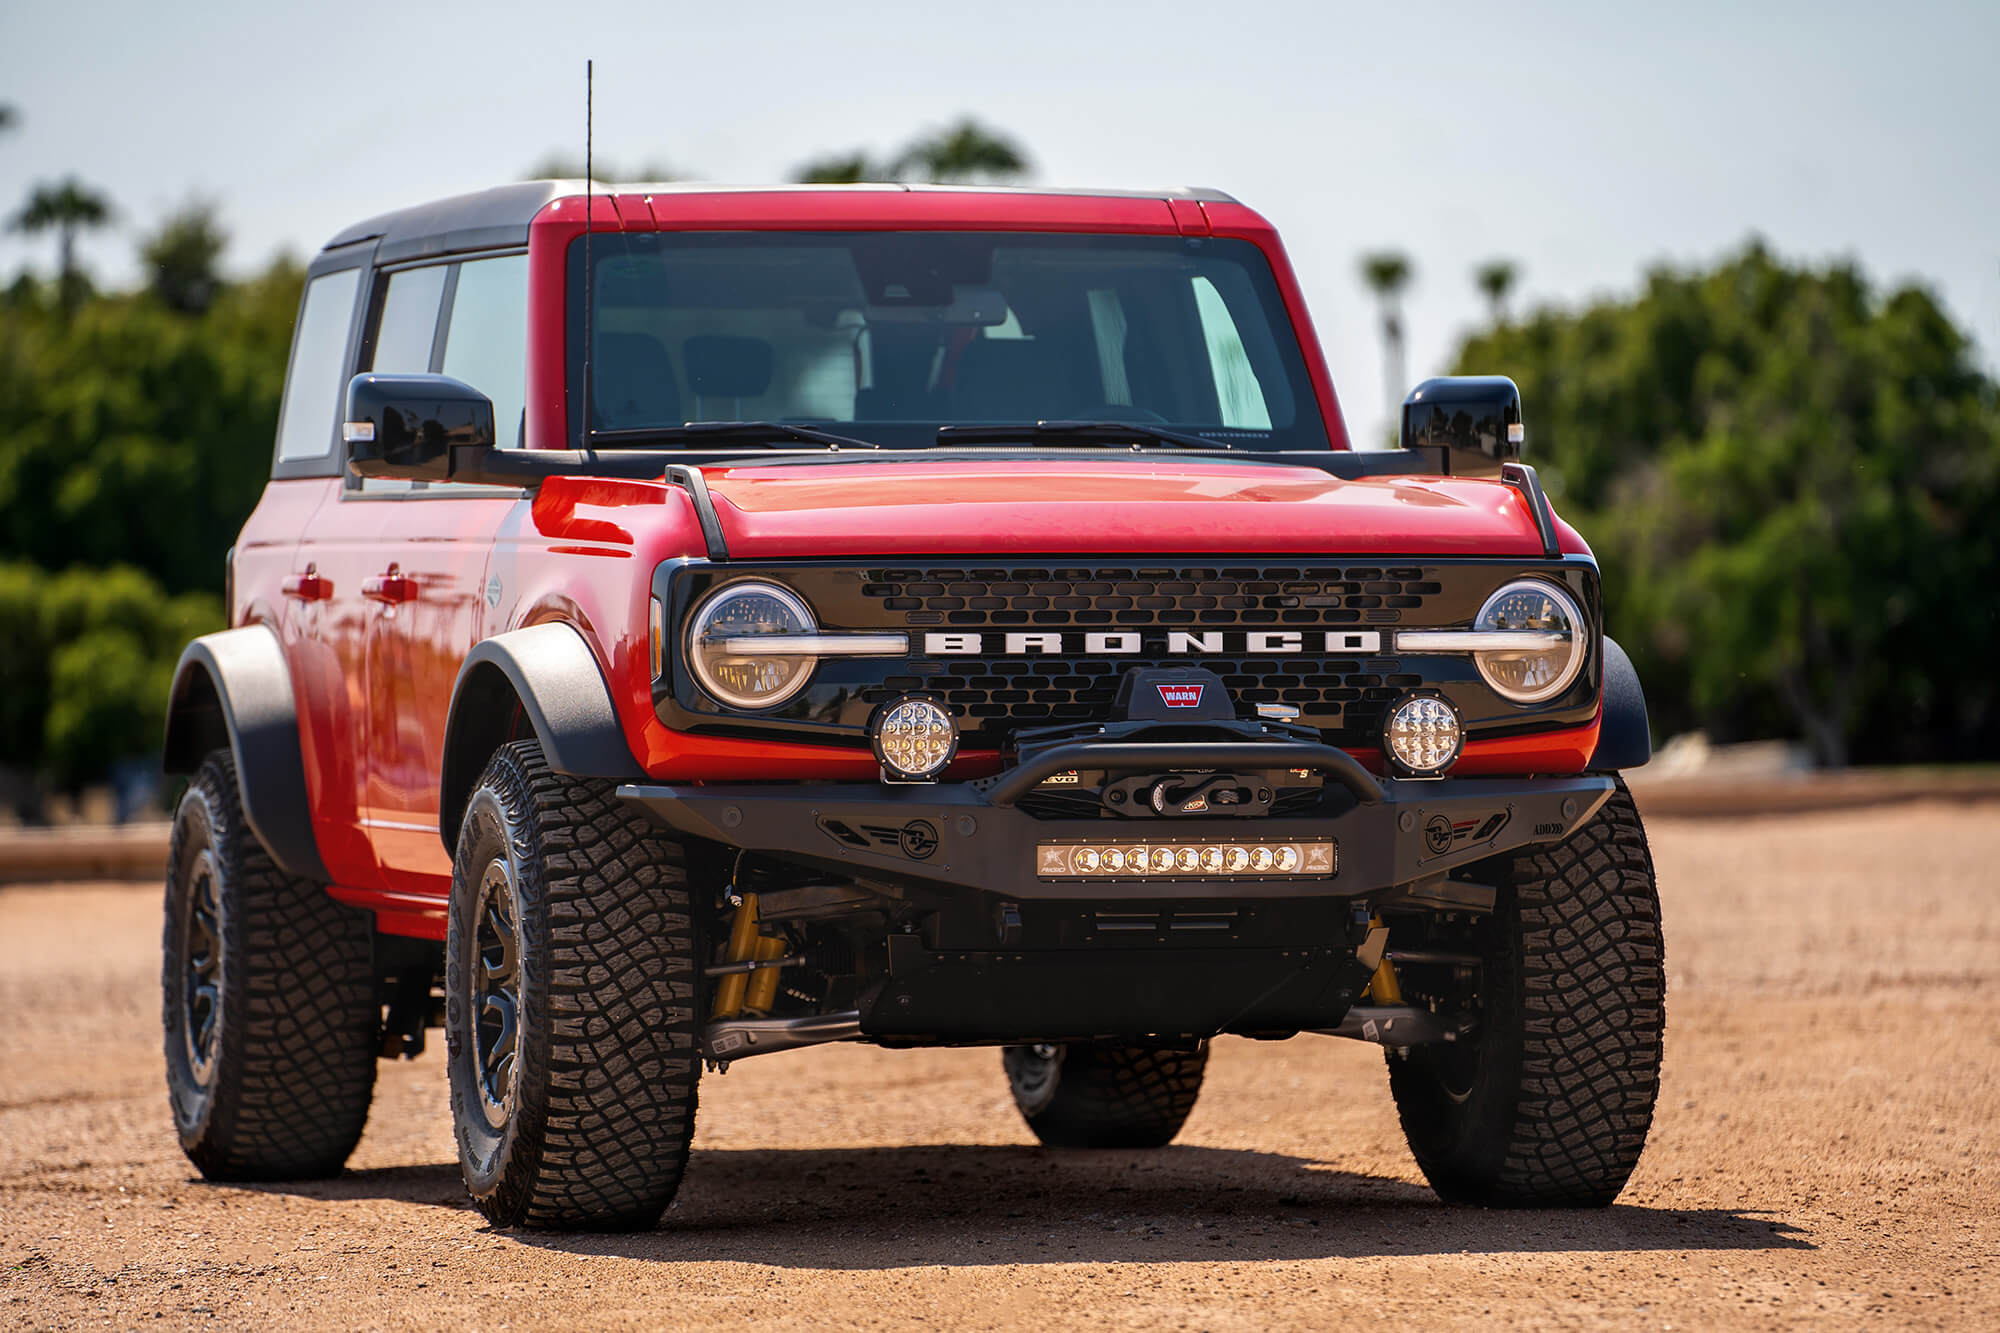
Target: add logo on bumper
1180 696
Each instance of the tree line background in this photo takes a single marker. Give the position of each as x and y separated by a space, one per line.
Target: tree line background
1790 477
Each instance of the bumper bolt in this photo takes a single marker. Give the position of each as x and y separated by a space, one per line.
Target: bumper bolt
1569 807
1406 821
732 816
967 826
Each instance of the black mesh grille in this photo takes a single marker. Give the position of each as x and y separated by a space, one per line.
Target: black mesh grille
994 693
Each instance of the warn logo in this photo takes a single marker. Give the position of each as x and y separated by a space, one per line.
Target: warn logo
1180 696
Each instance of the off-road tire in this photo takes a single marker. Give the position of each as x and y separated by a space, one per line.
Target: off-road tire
1548 1103
276 1081
1085 1095
595 1121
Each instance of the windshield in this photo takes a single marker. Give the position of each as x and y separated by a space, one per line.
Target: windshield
887 336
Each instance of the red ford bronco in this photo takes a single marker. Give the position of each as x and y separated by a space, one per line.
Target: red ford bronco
688 623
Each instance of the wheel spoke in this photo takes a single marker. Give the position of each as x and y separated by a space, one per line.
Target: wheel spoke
501 1047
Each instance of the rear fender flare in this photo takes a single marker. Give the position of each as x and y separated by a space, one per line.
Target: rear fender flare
1624 739
542 681
233 689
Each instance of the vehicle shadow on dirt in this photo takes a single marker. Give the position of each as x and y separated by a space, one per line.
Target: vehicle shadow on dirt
866 1208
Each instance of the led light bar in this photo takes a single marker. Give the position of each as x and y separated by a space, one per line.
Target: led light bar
1186 860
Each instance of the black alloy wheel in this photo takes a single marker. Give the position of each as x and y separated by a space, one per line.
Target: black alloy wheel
572 1002
268 1007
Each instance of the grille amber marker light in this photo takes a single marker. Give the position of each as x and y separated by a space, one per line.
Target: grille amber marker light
1313 859
657 623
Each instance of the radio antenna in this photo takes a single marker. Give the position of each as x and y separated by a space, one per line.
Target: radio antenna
589 273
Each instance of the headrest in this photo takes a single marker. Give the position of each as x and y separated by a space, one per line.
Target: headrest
722 366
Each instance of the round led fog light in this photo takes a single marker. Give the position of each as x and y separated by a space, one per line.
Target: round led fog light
914 739
1423 736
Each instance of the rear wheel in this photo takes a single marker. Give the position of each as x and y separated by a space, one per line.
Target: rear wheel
571 984
1548 1102
1084 1095
268 1000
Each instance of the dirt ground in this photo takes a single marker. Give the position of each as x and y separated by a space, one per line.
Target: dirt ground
1827 1151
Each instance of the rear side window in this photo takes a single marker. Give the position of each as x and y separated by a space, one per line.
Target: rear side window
313 386
408 326
486 343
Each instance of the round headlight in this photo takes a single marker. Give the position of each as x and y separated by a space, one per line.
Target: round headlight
732 669
915 738
1422 735
1528 675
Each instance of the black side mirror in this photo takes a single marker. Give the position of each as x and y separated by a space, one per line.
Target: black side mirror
1476 418
406 426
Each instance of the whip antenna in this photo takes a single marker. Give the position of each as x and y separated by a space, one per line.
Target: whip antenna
589 274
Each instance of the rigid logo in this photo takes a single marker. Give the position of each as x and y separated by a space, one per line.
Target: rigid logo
1175 643
1180 696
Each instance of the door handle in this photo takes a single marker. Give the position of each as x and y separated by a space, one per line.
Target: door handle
307 587
389 587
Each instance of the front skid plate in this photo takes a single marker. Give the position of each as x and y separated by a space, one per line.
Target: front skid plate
949 836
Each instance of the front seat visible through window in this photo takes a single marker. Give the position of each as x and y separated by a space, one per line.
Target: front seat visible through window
632 383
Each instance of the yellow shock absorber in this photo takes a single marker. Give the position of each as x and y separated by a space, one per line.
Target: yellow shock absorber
1383 988
743 943
764 981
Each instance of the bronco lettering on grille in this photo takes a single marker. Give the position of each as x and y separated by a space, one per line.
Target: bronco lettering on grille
1131 643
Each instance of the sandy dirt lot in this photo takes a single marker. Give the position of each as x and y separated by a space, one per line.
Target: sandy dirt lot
1827 1152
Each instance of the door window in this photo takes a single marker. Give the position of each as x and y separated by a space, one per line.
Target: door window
486 342
313 387
405 332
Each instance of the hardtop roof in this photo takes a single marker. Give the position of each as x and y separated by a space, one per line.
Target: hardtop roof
500 216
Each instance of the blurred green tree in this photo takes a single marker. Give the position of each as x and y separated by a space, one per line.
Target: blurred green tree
1793 485
183 256
560 166
66 207
960 153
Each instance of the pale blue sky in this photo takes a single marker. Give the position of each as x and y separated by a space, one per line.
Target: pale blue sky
1583 141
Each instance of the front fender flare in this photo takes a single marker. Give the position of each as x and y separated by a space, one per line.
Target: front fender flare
543 678
233 689
1625 740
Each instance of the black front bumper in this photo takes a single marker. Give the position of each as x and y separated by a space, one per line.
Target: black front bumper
970 836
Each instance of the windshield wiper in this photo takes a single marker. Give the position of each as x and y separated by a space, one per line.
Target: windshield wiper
725 432
1075 432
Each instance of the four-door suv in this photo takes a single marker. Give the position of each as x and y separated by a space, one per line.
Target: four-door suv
692 623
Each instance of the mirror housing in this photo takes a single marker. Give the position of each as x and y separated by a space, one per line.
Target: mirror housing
406 426
1476 419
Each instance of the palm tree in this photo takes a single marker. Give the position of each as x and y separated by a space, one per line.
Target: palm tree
1387 273
1496 279
967 151
68 206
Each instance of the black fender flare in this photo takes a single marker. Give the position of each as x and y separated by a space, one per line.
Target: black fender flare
1624 739
233 688
542 680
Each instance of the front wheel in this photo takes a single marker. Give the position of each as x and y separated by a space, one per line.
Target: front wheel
1085 1095
1548 1103
571 983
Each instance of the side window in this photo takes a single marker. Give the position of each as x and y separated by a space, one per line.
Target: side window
408 323
405 329
486 342
313 387
1236 387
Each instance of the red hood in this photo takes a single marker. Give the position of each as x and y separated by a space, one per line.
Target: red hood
1084 506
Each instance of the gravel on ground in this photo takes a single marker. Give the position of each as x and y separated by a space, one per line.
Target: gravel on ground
1827 1151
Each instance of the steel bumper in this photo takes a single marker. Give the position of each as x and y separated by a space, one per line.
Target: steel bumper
957 836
